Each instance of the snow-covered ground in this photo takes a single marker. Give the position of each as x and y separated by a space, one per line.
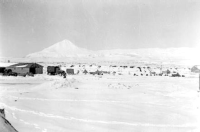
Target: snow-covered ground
84 103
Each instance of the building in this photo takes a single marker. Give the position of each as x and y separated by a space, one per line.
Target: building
33 68
195 69
2 69
70 71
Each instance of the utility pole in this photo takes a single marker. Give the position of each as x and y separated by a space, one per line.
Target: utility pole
161 68
199 81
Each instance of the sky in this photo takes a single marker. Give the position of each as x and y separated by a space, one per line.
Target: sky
28 26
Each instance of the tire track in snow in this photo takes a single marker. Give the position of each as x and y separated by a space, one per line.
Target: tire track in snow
99 101
27 123
98 121
95 101
13 115
67 100
36 126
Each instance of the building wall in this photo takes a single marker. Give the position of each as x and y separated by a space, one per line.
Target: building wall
39 70
19 69
70 71
2 69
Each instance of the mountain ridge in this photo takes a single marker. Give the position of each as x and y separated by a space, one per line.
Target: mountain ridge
66 49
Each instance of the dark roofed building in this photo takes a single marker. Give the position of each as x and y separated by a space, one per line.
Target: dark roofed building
2 69
33 68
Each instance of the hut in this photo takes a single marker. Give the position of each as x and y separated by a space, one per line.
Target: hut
33 68
195 69
2 69
70 71
85 72
53 70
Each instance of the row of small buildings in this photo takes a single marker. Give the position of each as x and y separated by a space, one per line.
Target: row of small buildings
35 68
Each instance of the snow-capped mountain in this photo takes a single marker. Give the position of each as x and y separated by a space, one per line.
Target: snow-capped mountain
66 49
61 49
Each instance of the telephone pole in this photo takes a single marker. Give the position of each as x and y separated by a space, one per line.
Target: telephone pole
199 82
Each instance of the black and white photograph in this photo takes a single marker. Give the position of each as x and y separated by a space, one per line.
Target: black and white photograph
99 65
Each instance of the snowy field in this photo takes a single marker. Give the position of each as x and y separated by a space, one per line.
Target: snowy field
84 103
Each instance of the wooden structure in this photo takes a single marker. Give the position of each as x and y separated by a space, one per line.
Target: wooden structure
24 68
2 69
70 71
53 70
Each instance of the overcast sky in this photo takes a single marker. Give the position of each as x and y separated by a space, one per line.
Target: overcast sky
28 26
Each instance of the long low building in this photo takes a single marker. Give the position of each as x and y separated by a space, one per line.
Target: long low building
33 68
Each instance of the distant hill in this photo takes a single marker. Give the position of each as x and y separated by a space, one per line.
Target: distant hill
68 50
64 48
